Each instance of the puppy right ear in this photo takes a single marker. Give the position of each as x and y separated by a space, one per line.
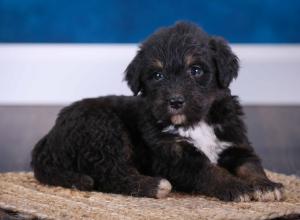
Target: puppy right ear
132 74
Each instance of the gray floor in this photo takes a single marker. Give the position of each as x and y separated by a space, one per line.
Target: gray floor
273 130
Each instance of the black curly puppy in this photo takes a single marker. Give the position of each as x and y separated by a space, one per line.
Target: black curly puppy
182 128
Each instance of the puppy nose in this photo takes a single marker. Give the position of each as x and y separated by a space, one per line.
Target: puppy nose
176 102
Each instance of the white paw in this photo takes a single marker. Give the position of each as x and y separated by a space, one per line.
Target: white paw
274 195
164 188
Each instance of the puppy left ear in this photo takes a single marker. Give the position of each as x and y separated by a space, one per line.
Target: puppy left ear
227 63
132 74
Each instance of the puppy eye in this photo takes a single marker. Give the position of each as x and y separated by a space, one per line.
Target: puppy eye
158 76
196 71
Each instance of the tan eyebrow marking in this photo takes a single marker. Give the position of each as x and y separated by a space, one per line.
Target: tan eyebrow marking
189 59
158 64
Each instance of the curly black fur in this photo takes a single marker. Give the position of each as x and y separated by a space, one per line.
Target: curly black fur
130 144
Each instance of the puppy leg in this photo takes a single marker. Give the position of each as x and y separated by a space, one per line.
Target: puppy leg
243 163
113 172
191 171
109 163
107 158
218 182
130 182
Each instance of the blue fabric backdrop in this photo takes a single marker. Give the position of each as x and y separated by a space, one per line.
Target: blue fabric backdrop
130 21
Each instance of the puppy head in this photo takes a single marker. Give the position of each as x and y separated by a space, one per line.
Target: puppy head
180 70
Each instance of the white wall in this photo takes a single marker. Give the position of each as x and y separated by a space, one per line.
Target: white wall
62 73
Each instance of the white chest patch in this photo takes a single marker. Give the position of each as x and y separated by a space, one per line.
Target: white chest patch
203 137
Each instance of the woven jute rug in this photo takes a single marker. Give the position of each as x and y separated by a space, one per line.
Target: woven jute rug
21 193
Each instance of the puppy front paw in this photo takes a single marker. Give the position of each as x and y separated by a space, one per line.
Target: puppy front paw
163 189
266 190
236 191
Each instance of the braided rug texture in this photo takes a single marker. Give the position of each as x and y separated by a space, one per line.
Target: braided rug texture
20 192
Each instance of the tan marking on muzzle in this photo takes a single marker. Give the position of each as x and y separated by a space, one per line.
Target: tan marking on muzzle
178 119
189 60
